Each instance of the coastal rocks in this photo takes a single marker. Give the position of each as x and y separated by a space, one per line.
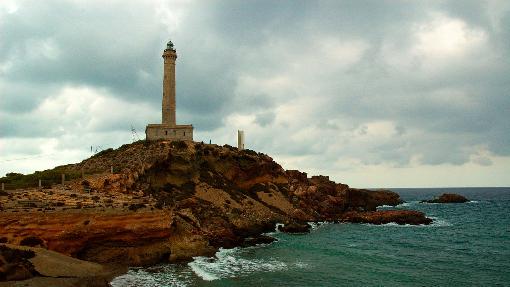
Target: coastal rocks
14 264
295 227
447 198
369 200
128 237
260 239
40 267
400 217
184 248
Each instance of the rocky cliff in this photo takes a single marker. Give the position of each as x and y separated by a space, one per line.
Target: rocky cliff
175 200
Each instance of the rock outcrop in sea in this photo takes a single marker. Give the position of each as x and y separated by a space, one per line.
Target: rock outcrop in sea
447 198
171 201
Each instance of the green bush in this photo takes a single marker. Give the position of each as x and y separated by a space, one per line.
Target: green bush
47 177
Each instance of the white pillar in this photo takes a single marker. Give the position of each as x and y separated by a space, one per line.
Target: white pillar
40 183
63 178
240 140
3 186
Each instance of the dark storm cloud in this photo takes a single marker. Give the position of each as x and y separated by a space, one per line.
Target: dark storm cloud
68 43
230 51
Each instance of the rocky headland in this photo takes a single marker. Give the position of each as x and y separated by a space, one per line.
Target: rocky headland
171 201
447 198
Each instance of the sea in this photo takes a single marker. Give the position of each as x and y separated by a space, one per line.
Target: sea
468 244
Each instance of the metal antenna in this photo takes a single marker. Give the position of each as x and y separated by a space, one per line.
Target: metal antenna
98 149
134 134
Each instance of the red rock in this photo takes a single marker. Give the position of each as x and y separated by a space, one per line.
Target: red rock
387 216
448 198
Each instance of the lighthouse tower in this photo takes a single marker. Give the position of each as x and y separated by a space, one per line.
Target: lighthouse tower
169 56
168 129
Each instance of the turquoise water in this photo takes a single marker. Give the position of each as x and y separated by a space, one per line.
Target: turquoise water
467 245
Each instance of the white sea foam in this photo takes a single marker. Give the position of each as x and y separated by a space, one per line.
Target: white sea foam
316 225
230 263
402 205
407 204
392 224
473 201
196 266
435 223
277 227
132 280
439 222
166 276
276 231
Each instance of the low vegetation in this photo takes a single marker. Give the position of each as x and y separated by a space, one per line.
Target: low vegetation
48 177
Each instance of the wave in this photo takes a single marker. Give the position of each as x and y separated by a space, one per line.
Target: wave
402 205
275 232
437 222
196 266
228 263
408 203
316 225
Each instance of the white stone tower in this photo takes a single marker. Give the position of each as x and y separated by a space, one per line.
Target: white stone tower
169 56
240 140
168 129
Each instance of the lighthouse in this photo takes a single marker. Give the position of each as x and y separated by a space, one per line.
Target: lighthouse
168 129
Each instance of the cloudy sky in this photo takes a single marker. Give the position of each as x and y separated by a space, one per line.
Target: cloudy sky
372 93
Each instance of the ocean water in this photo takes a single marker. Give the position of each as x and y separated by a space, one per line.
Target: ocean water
467 245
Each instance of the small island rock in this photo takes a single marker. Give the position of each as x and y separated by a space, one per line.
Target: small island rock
447 198
400 217
295 228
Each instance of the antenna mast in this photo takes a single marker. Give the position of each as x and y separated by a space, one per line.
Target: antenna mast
134 135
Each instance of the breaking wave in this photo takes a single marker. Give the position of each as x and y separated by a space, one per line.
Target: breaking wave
402 205
437 222
316 225
228 264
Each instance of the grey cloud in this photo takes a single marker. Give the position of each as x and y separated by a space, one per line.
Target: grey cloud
61 43
117 47
264 119
485 161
